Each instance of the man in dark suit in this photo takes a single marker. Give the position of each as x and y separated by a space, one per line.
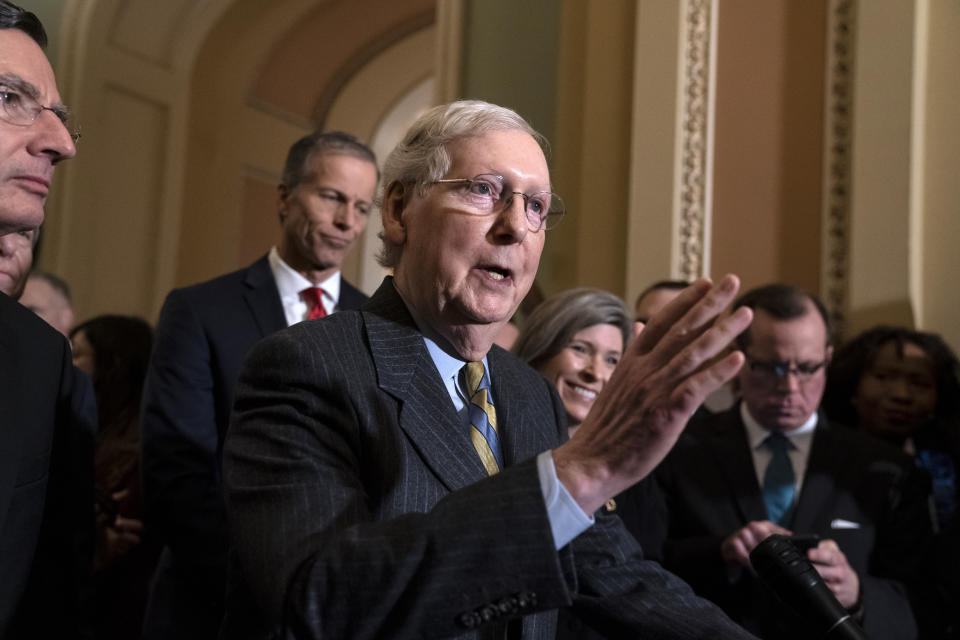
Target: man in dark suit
42 523
728 485
203 334
391 474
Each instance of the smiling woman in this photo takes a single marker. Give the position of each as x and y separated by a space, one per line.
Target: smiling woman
575 338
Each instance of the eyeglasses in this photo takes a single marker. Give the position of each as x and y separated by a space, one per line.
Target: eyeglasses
487 194
775 370
20 109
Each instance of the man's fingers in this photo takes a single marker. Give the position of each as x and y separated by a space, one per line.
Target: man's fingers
691 393
698 336
665 319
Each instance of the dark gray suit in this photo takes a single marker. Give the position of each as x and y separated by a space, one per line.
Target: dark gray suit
203 335
358 507
857 491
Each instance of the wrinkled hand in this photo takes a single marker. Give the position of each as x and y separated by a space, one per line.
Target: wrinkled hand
736 548
663 377
832 565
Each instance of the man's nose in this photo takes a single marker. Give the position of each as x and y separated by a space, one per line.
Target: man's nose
51 138
346 216
8 244
512 221
790 381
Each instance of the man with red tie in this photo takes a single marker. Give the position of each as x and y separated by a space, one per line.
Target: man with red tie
203 334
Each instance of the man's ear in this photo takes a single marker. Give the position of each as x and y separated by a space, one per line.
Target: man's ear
395 199
282 193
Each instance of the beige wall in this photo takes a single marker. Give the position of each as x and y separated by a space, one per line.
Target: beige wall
906 159
592 146
939 186
769 127
187 110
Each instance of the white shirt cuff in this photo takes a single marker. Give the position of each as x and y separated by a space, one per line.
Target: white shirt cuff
567 519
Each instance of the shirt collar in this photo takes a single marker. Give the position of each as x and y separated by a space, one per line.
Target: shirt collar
290 282
756 434
447 366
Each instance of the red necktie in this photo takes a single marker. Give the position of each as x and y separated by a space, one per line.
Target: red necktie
313 296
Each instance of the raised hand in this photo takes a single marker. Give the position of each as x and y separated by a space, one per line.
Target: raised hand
663 377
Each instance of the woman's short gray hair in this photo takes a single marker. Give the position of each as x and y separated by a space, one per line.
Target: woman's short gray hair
421 157
552 325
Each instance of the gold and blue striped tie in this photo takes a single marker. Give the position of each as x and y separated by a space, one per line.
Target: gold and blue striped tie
483 417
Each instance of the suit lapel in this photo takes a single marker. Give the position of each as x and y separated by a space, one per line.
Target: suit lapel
350 297
263 298
519 440
734 457
406 371
820 479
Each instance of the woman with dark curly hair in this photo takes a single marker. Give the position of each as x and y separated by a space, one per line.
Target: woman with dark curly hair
114 351
903 386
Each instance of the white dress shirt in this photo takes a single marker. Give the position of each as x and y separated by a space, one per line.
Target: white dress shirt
290 283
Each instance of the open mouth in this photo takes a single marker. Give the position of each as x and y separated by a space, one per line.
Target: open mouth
583 392
496 273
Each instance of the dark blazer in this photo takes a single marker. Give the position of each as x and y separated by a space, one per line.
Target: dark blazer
203 335
711 490
358 507
46 482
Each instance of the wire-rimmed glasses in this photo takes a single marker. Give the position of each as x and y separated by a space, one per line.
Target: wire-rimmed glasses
487 193
21 109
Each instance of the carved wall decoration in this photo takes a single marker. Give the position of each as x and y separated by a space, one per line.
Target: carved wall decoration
838 145
694 139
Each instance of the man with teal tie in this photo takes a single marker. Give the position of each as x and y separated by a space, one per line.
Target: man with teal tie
390 473
772 464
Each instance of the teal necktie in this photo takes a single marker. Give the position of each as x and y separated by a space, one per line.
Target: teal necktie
779 480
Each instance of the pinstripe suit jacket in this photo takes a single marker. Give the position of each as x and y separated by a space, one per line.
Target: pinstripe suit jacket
358 508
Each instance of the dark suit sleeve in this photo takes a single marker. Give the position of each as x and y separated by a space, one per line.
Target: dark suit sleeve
181 478
620 594
319 559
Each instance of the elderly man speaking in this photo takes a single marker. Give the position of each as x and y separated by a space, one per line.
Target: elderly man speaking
391 474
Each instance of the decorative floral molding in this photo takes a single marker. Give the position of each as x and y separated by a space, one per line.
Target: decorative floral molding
694 138
838 143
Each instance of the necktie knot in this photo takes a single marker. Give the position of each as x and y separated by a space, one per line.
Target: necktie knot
473 371
313 296
777 443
